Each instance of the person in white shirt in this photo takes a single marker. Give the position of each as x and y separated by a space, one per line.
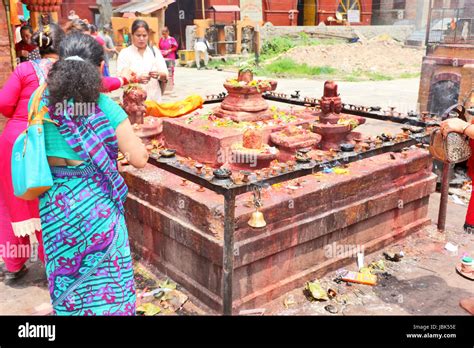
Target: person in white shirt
201 46
465 31
146 62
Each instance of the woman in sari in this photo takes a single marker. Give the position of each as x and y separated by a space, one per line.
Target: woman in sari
88 261
19 219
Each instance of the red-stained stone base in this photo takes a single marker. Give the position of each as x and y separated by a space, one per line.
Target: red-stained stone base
211 145
180 230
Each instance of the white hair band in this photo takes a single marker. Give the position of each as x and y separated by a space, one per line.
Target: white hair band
75 58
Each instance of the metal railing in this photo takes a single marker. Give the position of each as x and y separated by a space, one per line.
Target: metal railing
450 26
231 190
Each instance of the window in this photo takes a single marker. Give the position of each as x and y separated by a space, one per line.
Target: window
399 4
349 10
376 5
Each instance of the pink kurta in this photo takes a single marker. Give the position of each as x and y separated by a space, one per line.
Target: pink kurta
19 219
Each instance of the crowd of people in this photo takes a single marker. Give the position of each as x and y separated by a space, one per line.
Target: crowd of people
167 45
79 223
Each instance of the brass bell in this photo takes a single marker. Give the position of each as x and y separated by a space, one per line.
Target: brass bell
257 220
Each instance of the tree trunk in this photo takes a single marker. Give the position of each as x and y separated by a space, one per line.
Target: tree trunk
105 12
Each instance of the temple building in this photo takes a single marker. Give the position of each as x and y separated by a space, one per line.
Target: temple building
293 12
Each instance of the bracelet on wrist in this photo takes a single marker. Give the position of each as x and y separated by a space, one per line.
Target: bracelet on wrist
465 128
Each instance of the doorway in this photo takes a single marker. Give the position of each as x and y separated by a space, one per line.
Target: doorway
443 95
307 12
179 15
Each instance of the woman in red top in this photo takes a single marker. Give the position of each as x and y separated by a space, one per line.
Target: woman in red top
95 35
19 219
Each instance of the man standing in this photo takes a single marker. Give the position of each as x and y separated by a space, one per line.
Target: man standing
201 46
465 31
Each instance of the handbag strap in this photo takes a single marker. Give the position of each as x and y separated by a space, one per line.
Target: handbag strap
433 135
36 115
461 112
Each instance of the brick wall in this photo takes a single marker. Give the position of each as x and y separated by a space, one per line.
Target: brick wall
5 60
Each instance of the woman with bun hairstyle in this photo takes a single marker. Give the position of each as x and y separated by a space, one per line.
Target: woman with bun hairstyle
19 219
87 252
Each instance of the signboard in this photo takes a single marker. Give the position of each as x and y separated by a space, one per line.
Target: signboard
353 16
251 9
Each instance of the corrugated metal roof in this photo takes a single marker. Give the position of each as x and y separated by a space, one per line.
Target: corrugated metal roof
145 7
225 8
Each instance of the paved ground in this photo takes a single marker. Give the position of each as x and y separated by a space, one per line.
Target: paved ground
424 282
402 94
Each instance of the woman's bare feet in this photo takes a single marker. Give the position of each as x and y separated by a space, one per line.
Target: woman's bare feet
468 304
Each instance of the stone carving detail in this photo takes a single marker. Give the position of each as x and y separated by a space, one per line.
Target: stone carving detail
247 39
229 36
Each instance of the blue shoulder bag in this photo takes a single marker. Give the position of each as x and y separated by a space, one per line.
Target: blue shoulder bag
31 174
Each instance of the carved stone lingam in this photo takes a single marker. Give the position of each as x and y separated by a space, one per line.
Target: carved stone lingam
334 126
244 101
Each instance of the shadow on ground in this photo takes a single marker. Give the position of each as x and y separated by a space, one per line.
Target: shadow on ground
415 295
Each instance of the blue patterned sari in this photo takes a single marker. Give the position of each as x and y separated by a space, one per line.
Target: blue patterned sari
88 260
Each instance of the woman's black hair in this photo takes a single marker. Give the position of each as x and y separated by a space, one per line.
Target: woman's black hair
140 23
76 79
49 41
92 29
26 27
